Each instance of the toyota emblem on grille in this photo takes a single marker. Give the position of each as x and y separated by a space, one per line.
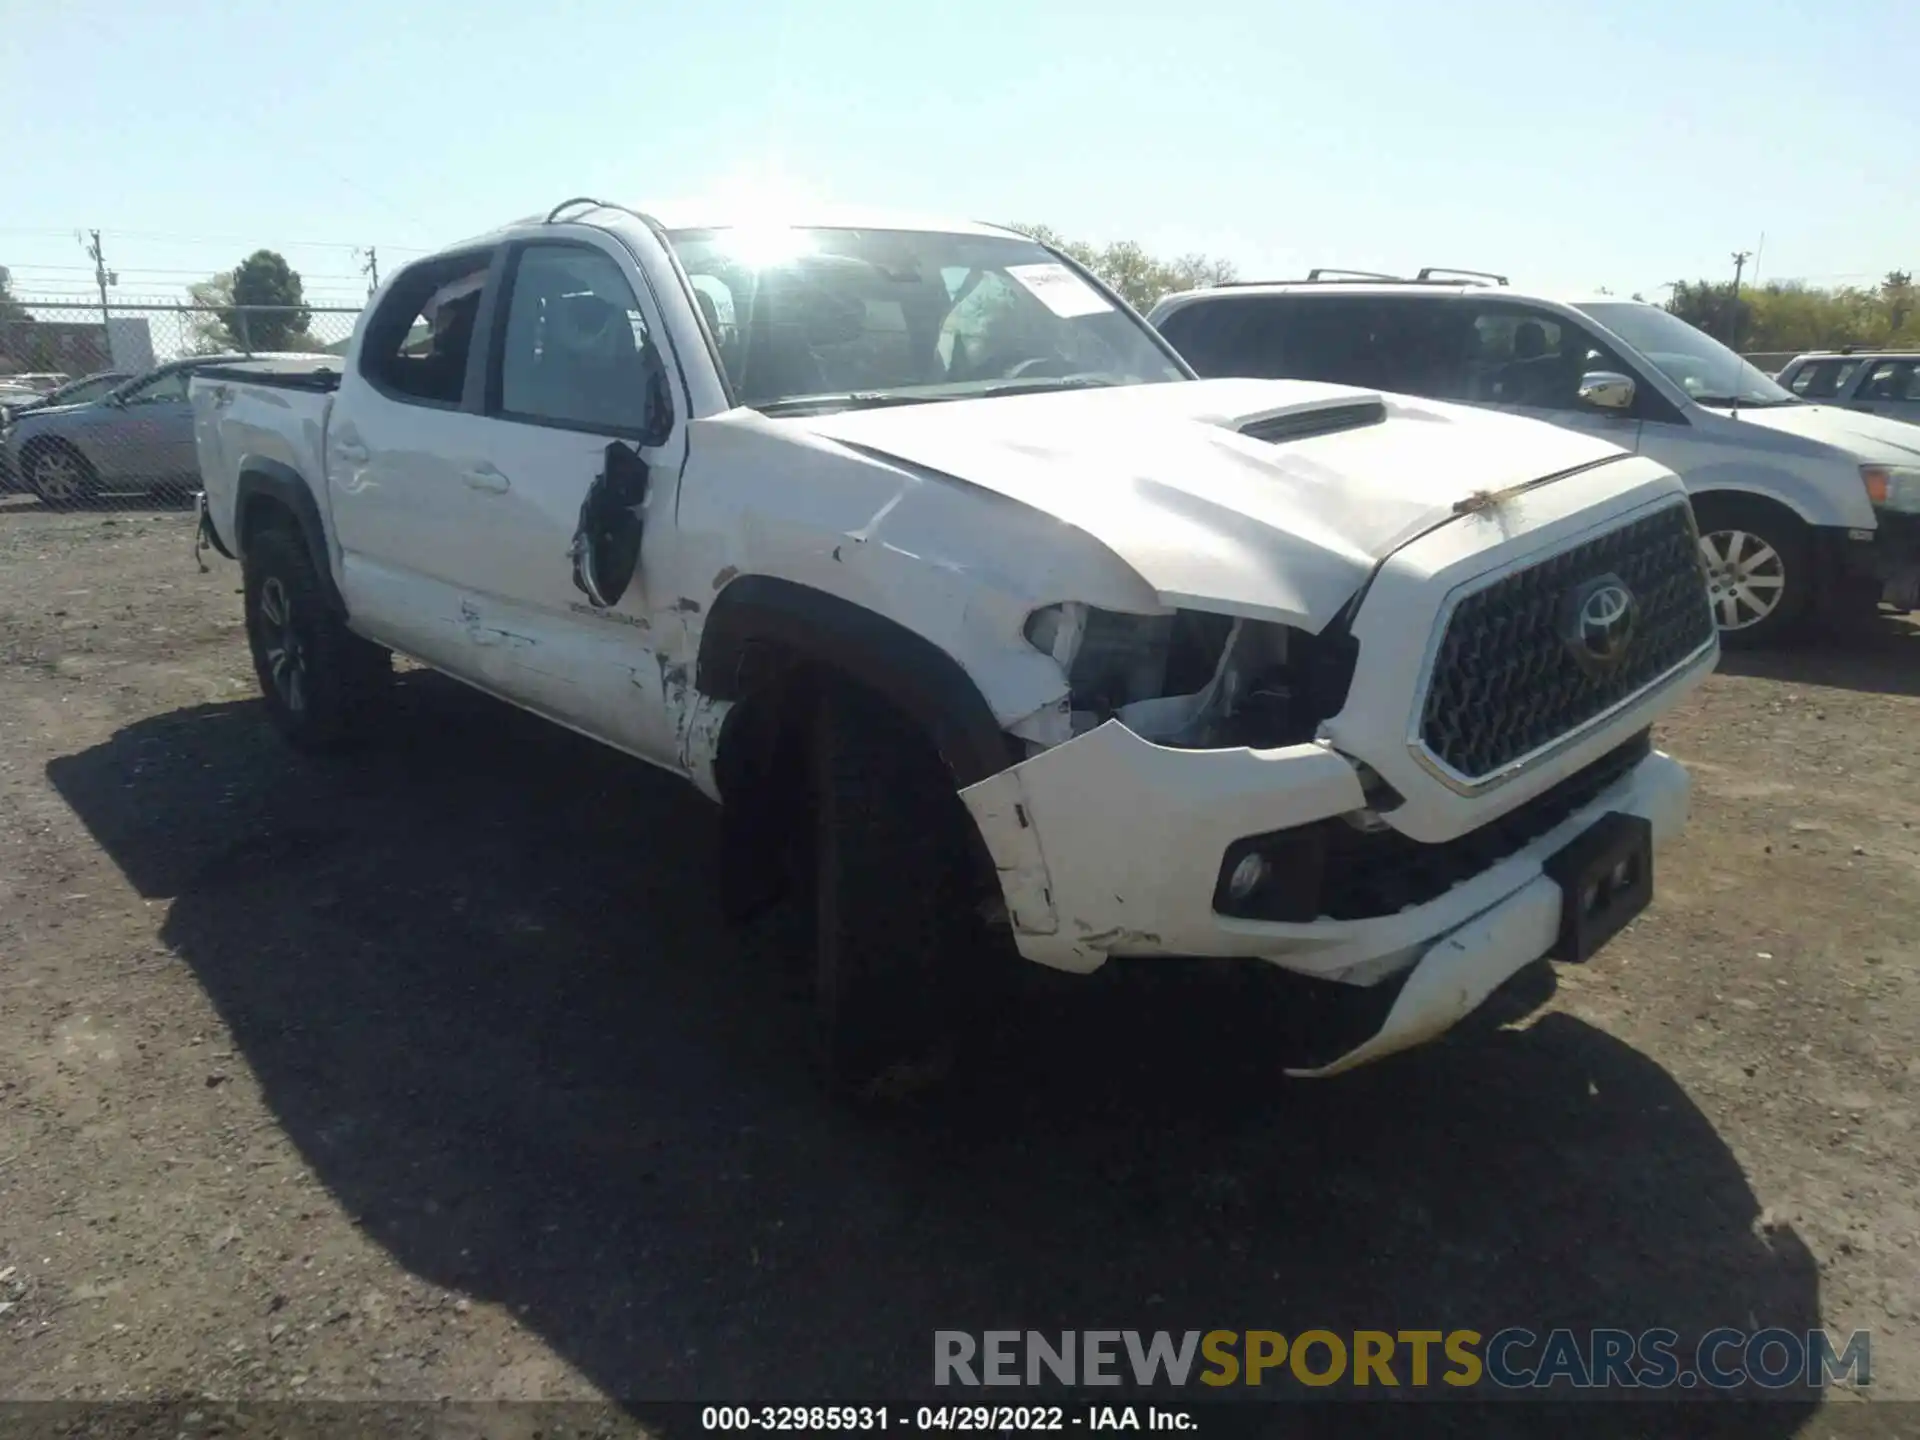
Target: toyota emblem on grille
1597 619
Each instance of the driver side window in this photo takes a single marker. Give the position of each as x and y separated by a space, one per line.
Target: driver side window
1518 356
159 390
576 351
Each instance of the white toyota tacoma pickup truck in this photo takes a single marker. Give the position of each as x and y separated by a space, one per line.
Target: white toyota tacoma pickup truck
920 552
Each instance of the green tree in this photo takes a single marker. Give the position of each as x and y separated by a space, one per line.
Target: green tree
1140 278
1897 291
1792 315
265 279
207 332
1710 306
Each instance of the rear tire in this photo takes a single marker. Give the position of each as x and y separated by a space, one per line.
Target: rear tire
896 916
1759 564
321 682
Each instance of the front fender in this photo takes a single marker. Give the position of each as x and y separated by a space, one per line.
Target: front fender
924 681
1833 497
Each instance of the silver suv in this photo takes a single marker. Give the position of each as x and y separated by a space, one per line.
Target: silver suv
1797 504
1883 382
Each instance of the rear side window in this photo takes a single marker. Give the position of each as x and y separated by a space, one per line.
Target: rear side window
1822 379
419 340
1408 344
1891 380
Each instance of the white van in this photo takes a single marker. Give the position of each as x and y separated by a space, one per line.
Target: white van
1799 506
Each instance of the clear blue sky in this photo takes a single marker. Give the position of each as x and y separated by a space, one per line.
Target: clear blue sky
1571 143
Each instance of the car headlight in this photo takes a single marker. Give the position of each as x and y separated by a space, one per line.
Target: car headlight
1892 487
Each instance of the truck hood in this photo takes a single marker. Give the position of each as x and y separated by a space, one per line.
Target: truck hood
1871 439
1210 517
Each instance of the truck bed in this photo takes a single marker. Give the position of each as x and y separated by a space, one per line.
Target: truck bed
303 372
267 416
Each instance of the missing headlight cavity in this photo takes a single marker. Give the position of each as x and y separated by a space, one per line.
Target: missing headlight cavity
1196 680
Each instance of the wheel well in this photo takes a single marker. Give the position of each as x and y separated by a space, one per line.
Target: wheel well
259 510
762 764
1749 500
40 444
273 494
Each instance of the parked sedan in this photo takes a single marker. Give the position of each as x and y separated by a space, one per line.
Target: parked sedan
137 437
1881 383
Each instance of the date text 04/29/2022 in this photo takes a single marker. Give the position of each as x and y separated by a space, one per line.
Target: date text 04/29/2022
993 1419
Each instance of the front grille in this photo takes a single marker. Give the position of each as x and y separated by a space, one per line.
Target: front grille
1505 682
1332 870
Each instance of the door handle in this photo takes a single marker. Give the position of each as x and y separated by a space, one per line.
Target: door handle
487 480
351 451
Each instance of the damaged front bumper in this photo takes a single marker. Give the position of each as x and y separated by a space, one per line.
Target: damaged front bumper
1109 845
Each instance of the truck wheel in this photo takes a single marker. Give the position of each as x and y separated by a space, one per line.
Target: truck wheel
1759 569
320 681
60 475
895 914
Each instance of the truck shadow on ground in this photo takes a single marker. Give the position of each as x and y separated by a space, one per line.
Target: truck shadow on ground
1879 656
480 977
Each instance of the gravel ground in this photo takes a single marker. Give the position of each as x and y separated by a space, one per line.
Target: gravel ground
433 1073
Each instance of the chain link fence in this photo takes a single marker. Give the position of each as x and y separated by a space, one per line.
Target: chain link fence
93 400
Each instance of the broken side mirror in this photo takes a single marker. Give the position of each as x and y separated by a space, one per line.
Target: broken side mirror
606 546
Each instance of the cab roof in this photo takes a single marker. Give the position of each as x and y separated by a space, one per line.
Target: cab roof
711 215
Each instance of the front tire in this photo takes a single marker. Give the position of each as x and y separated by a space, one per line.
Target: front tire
320 681
1759 563
896 913
61 475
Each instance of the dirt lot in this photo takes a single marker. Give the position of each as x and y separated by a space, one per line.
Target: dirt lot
433 1073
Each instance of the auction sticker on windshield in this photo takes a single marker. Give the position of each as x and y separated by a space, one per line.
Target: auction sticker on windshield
1060 290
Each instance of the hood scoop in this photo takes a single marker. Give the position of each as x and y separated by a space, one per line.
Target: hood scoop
1318 420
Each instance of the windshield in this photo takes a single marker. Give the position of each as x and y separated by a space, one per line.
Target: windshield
1692 359
91 388
822 319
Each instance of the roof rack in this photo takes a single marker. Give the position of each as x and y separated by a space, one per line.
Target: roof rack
577 200
1435 272
1331 275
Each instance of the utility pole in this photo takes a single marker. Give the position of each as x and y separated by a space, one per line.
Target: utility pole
1740 258
105 277
371 269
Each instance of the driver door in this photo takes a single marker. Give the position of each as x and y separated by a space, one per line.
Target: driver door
570 514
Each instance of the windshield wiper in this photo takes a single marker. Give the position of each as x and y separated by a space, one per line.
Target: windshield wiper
1038 386
1744 402
851 400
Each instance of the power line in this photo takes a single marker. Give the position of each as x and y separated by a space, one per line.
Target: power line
179 237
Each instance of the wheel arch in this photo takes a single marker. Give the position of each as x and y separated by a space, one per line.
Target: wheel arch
33 446
760 629
1748 495
268 486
